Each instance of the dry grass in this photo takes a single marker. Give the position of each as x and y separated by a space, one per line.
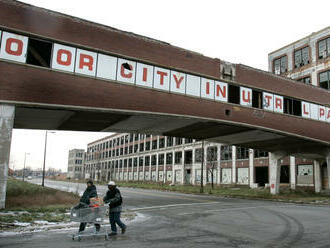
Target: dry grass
25 195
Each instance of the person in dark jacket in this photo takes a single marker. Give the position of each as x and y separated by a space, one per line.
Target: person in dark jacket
113 197
90 192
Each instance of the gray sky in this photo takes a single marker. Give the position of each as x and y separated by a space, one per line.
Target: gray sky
237 31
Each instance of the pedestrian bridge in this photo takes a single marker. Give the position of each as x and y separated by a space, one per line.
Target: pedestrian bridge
63 73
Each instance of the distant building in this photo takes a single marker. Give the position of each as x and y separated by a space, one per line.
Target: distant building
306 60
75 164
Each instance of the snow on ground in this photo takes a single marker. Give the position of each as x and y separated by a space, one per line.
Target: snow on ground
41 226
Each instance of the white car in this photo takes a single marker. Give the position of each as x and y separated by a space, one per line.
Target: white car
29 178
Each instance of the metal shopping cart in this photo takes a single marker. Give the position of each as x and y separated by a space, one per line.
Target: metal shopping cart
94 215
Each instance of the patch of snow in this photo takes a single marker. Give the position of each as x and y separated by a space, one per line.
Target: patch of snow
22 223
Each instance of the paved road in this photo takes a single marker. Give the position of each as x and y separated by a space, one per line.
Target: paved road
180 220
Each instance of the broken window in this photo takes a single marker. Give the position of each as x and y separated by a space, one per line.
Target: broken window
301 57
280 65
233 94
306 80
260 154
324 78
324 48
242 153
39 52
178 158
198 155
226 153
257 99
161 159
169 158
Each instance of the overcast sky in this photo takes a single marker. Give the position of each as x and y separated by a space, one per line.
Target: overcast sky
236 31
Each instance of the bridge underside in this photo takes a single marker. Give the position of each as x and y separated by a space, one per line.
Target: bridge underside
186 127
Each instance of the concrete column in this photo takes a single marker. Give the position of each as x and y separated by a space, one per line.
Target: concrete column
293 173
144 169
173 170
164 169
275 172
157 167
192 179
7 114
317 176
251 169
328 168
233 177
219 165
150 176
183 167
205 175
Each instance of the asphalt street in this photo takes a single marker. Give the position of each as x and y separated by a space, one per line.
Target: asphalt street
167 219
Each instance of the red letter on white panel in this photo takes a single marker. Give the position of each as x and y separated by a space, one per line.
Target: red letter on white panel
268 101
126 71
144 75
328 115
86 62
207 88
13 47
278 104
245 96
322 116
178 82
221 91
63 57
161 79
305 110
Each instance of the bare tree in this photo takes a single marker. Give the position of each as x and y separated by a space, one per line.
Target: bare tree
211 157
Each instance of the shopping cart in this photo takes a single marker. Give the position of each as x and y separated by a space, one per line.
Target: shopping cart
94 215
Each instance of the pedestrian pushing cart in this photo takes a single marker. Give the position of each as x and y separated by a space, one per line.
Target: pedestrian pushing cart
87 214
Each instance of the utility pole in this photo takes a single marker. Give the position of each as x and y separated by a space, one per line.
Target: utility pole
202 169
24 164
44 166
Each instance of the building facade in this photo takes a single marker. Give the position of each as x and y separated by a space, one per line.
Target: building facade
140 157
76 164
306 60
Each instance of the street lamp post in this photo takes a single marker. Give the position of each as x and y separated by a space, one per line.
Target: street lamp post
24 164
45 153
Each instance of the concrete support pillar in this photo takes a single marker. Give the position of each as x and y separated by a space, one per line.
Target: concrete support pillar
183 174
7 113
205 175
150 176
234 165
251 169
144 169
317 176
192 173
328 168
157 167
275 172
293 173
173 170
219 165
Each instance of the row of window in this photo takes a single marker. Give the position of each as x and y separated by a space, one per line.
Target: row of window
301 57
131 149
211 156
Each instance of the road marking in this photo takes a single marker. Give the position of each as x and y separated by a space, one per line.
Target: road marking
225 209
172 205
